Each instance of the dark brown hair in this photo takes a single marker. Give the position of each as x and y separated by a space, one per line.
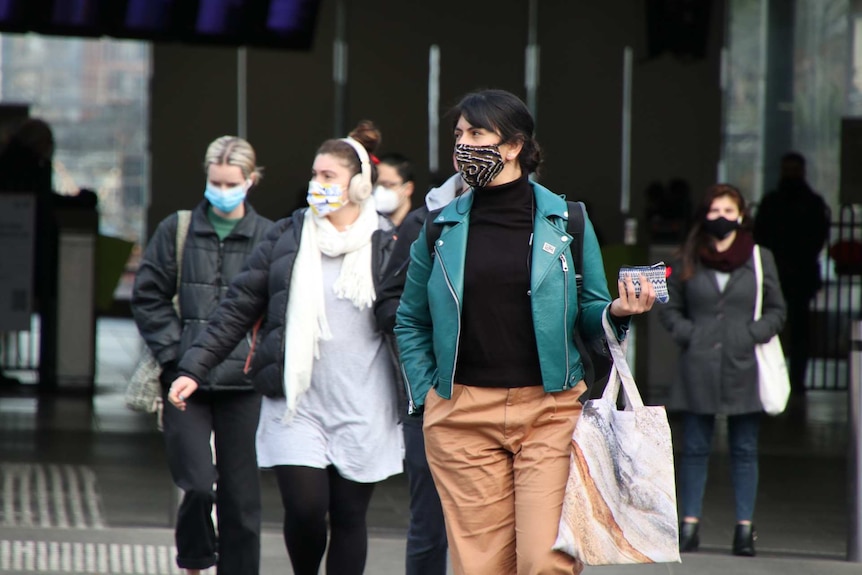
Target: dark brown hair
504 113
367 134
697 238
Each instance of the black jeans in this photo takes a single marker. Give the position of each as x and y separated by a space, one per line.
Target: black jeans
233 417
426 535
798 343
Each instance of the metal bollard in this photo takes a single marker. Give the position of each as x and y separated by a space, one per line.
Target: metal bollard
854 467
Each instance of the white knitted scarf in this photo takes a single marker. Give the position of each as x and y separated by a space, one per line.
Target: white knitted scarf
306 324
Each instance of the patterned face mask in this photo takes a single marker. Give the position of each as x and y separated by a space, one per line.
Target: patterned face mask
478 165
324 199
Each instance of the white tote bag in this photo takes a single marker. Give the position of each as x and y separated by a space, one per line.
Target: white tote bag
620 501
773 381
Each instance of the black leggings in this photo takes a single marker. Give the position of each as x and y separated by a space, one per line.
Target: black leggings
308 494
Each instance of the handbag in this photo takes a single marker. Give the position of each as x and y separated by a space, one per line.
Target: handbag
144 391
772 380
620 499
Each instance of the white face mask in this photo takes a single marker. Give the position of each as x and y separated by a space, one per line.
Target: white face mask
387 200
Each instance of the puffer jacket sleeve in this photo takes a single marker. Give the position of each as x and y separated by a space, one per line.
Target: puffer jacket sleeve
595 299
773 312
386 304
673 315
244 304
413 326
153 291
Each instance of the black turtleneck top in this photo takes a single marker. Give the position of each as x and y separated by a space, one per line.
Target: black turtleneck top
498 344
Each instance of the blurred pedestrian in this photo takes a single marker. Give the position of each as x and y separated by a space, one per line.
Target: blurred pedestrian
793 222
395 185
329 423
710 316
223 231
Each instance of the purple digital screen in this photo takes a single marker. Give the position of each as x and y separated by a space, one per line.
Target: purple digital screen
148 14
287 24
219 17
9 10
285 16
74 13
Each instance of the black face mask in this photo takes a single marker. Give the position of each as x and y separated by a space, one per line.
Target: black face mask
720 228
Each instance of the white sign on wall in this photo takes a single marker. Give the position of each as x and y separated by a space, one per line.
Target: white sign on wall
17 237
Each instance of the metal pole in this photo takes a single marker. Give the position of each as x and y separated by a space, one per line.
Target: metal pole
630 224
531 60
242 92
434 110
626 159
854 467
339 68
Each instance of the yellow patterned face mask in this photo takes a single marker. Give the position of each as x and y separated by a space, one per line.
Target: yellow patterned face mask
324 199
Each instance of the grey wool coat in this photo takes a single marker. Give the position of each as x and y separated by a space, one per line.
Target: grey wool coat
716 333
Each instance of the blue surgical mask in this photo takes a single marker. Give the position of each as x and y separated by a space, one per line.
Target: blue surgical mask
226 200
324 199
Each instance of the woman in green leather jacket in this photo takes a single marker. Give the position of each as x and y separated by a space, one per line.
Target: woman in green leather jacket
485 331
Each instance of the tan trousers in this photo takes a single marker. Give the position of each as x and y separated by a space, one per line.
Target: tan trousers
500 460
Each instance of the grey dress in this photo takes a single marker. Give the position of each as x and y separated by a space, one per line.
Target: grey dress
348 418
716 333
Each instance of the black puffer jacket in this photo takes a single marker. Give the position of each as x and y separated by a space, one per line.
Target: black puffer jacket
208 267
261 290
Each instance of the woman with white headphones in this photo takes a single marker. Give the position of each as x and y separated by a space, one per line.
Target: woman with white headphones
329 421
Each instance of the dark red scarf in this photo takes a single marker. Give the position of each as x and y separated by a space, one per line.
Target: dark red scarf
736 255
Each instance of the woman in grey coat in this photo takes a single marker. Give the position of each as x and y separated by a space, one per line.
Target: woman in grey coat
711 317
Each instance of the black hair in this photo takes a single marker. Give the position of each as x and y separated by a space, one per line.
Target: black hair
793 157
402 165
504 113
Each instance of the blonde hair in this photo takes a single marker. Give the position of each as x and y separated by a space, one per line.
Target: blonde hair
234 151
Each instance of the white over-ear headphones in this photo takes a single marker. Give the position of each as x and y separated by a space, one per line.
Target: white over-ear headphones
360 185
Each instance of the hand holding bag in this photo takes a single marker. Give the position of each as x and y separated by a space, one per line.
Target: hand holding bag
144 392
620 500
772 379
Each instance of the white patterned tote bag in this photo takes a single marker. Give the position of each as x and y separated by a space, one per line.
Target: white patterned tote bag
620 501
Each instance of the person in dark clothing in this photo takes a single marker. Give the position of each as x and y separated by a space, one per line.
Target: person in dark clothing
426 533
329 423
395 186
26 166
793 222
223 231
710 316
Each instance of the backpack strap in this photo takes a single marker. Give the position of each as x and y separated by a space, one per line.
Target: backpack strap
575 228
184 218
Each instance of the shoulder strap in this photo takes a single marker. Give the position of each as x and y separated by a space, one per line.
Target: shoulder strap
575 228
758 278
184 218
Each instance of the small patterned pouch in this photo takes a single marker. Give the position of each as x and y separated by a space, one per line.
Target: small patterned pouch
656 273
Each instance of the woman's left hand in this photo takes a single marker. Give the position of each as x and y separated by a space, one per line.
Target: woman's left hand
630 304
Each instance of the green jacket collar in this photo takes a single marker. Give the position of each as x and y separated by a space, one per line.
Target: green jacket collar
548 204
